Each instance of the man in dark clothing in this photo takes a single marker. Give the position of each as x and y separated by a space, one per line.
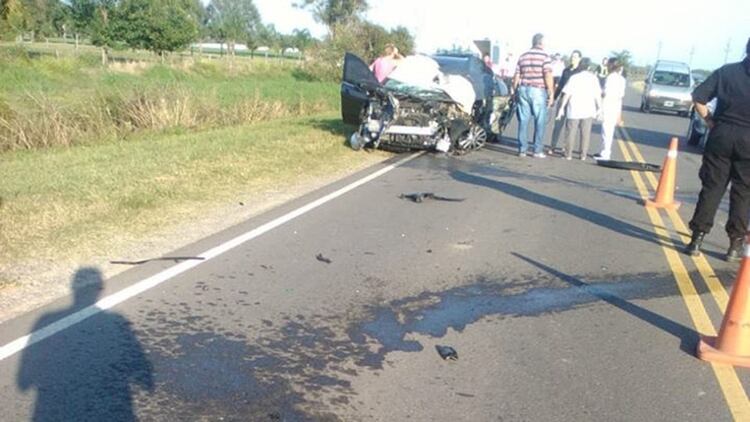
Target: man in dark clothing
727 155
575 60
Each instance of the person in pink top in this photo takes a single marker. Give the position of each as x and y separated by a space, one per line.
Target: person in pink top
384 65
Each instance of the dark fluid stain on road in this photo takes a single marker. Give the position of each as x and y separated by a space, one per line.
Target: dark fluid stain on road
299 367
436 312
205 370
219 363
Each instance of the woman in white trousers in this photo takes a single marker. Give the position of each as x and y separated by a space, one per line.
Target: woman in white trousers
614 91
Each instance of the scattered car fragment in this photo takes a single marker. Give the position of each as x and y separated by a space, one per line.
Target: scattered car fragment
163 258
321 258
421 196
447 352
629 165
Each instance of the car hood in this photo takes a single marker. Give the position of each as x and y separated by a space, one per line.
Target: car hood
417 76
420 76
681 93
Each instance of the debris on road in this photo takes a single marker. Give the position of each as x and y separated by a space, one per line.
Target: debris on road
629 165
163 258
418 197
321 258
447 352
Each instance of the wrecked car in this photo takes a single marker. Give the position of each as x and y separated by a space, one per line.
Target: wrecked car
444 103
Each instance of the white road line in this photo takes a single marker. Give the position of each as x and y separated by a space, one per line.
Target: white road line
21 343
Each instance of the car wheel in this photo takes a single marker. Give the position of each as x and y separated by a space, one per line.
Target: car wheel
693 136
474 139
356 141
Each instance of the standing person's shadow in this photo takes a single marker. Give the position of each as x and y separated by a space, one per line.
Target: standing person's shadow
85 372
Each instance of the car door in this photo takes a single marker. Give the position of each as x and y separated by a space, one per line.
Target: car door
357 75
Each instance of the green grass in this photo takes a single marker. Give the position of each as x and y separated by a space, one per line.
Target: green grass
72 200
47 101
73 77
92 156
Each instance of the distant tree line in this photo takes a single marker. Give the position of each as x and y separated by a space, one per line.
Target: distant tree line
164 26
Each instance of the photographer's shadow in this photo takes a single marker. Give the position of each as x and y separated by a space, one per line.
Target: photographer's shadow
85 372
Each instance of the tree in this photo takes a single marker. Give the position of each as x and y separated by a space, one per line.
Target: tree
403 39
232 21
102 28
82 14
374 38
624 56
333 13
266 35
12 17
157 25
301 39
44 17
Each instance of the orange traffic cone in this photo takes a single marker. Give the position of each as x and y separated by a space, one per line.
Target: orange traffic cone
665 191
732 346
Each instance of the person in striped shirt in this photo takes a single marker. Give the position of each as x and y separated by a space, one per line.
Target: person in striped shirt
535 88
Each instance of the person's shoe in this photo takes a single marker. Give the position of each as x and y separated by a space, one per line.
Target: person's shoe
694 247
734 253
522 154
598 156
568 158
583 158
540 155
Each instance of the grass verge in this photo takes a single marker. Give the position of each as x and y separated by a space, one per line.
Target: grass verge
67 202
69 101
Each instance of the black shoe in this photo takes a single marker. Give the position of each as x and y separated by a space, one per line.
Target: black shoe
694 248
734 253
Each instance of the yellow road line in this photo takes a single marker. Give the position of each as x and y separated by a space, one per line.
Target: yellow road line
701 263
729 382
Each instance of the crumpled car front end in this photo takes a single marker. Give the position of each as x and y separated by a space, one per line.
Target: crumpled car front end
419 108
402 122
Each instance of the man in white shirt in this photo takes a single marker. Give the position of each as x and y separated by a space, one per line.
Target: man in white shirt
614 91
581 103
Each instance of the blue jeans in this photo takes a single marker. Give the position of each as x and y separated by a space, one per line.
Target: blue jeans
531 102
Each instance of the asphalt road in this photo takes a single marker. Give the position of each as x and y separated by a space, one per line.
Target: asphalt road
562 296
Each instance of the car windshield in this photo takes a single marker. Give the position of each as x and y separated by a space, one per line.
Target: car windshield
416 91
662 77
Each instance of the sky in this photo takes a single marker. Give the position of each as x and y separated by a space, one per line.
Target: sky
595 27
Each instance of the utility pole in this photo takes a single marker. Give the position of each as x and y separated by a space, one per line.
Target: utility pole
658 50
692 53
727 49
